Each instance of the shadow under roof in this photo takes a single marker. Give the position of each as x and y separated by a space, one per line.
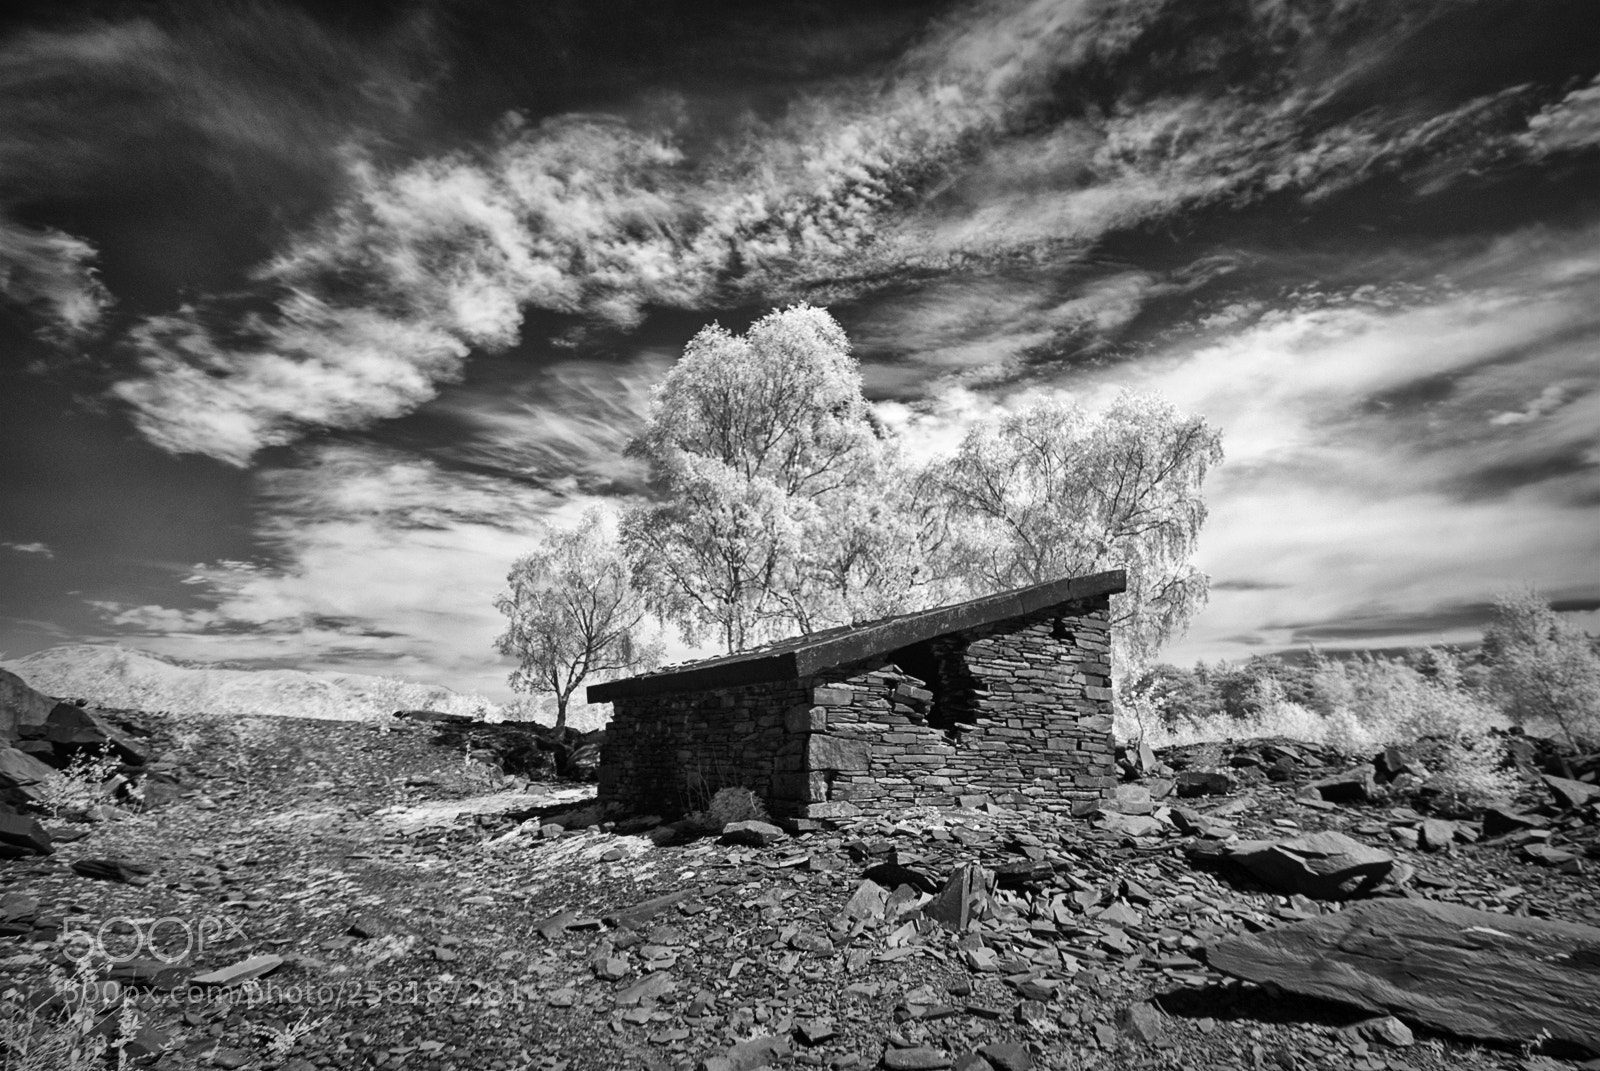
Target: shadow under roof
806 655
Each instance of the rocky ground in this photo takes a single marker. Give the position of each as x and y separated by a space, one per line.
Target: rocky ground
331 895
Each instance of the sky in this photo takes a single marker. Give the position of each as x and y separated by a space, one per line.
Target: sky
314 316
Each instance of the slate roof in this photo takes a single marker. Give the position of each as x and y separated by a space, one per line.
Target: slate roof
818 651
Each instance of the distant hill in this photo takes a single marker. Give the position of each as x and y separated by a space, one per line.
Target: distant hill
119 677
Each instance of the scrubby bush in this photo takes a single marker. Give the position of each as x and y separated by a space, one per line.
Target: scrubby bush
1470 776
81 785
1543 668
728 805
1353 705
736 805
1387 701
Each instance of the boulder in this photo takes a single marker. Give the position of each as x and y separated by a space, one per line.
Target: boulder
1436 834
1323 866
1474 974
1200 825
754 834
868 902
1020 873
1356 785
1498 821
1391 762
1191 783
21 835
964 898
1570 794
72 728
1132 825
21 776
21 707
1133 799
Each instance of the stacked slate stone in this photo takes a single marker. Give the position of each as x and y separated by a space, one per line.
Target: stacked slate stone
1022 715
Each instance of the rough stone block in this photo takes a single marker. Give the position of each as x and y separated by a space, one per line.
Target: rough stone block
831 809
832 753
806 719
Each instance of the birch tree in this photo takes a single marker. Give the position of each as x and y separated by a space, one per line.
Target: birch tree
1052 492
775 488
573 614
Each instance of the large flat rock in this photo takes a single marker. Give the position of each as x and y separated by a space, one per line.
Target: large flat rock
1470 973
1326 865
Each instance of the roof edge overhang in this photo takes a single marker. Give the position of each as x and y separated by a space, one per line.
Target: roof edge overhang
804 659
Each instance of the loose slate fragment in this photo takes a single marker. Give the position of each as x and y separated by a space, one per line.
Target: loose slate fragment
868 902
919 1058
1569 793
1474 974
651 987
1352 786
1133 825
1437 834
754 834
244 971
115 870
965 897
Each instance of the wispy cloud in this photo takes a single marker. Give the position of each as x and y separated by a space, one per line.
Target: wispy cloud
565 427
39 549
1572 123
962 159
53 274
262 382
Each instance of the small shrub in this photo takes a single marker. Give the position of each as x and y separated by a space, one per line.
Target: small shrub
727 806
81 785
737 805
282 1040
37 1038
1470 776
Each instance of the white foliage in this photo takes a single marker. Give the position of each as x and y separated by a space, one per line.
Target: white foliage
1052 492
781 500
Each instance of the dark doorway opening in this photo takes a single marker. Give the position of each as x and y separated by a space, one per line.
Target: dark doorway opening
944 675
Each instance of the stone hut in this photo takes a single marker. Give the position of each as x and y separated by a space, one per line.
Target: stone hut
1006 696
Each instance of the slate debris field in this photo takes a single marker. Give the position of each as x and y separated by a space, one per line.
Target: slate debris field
383 900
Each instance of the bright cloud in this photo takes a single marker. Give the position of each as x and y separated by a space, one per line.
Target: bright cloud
52 273
566 426
39 549
380 558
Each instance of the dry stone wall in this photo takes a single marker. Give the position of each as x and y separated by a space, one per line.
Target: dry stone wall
1019 711
670 753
